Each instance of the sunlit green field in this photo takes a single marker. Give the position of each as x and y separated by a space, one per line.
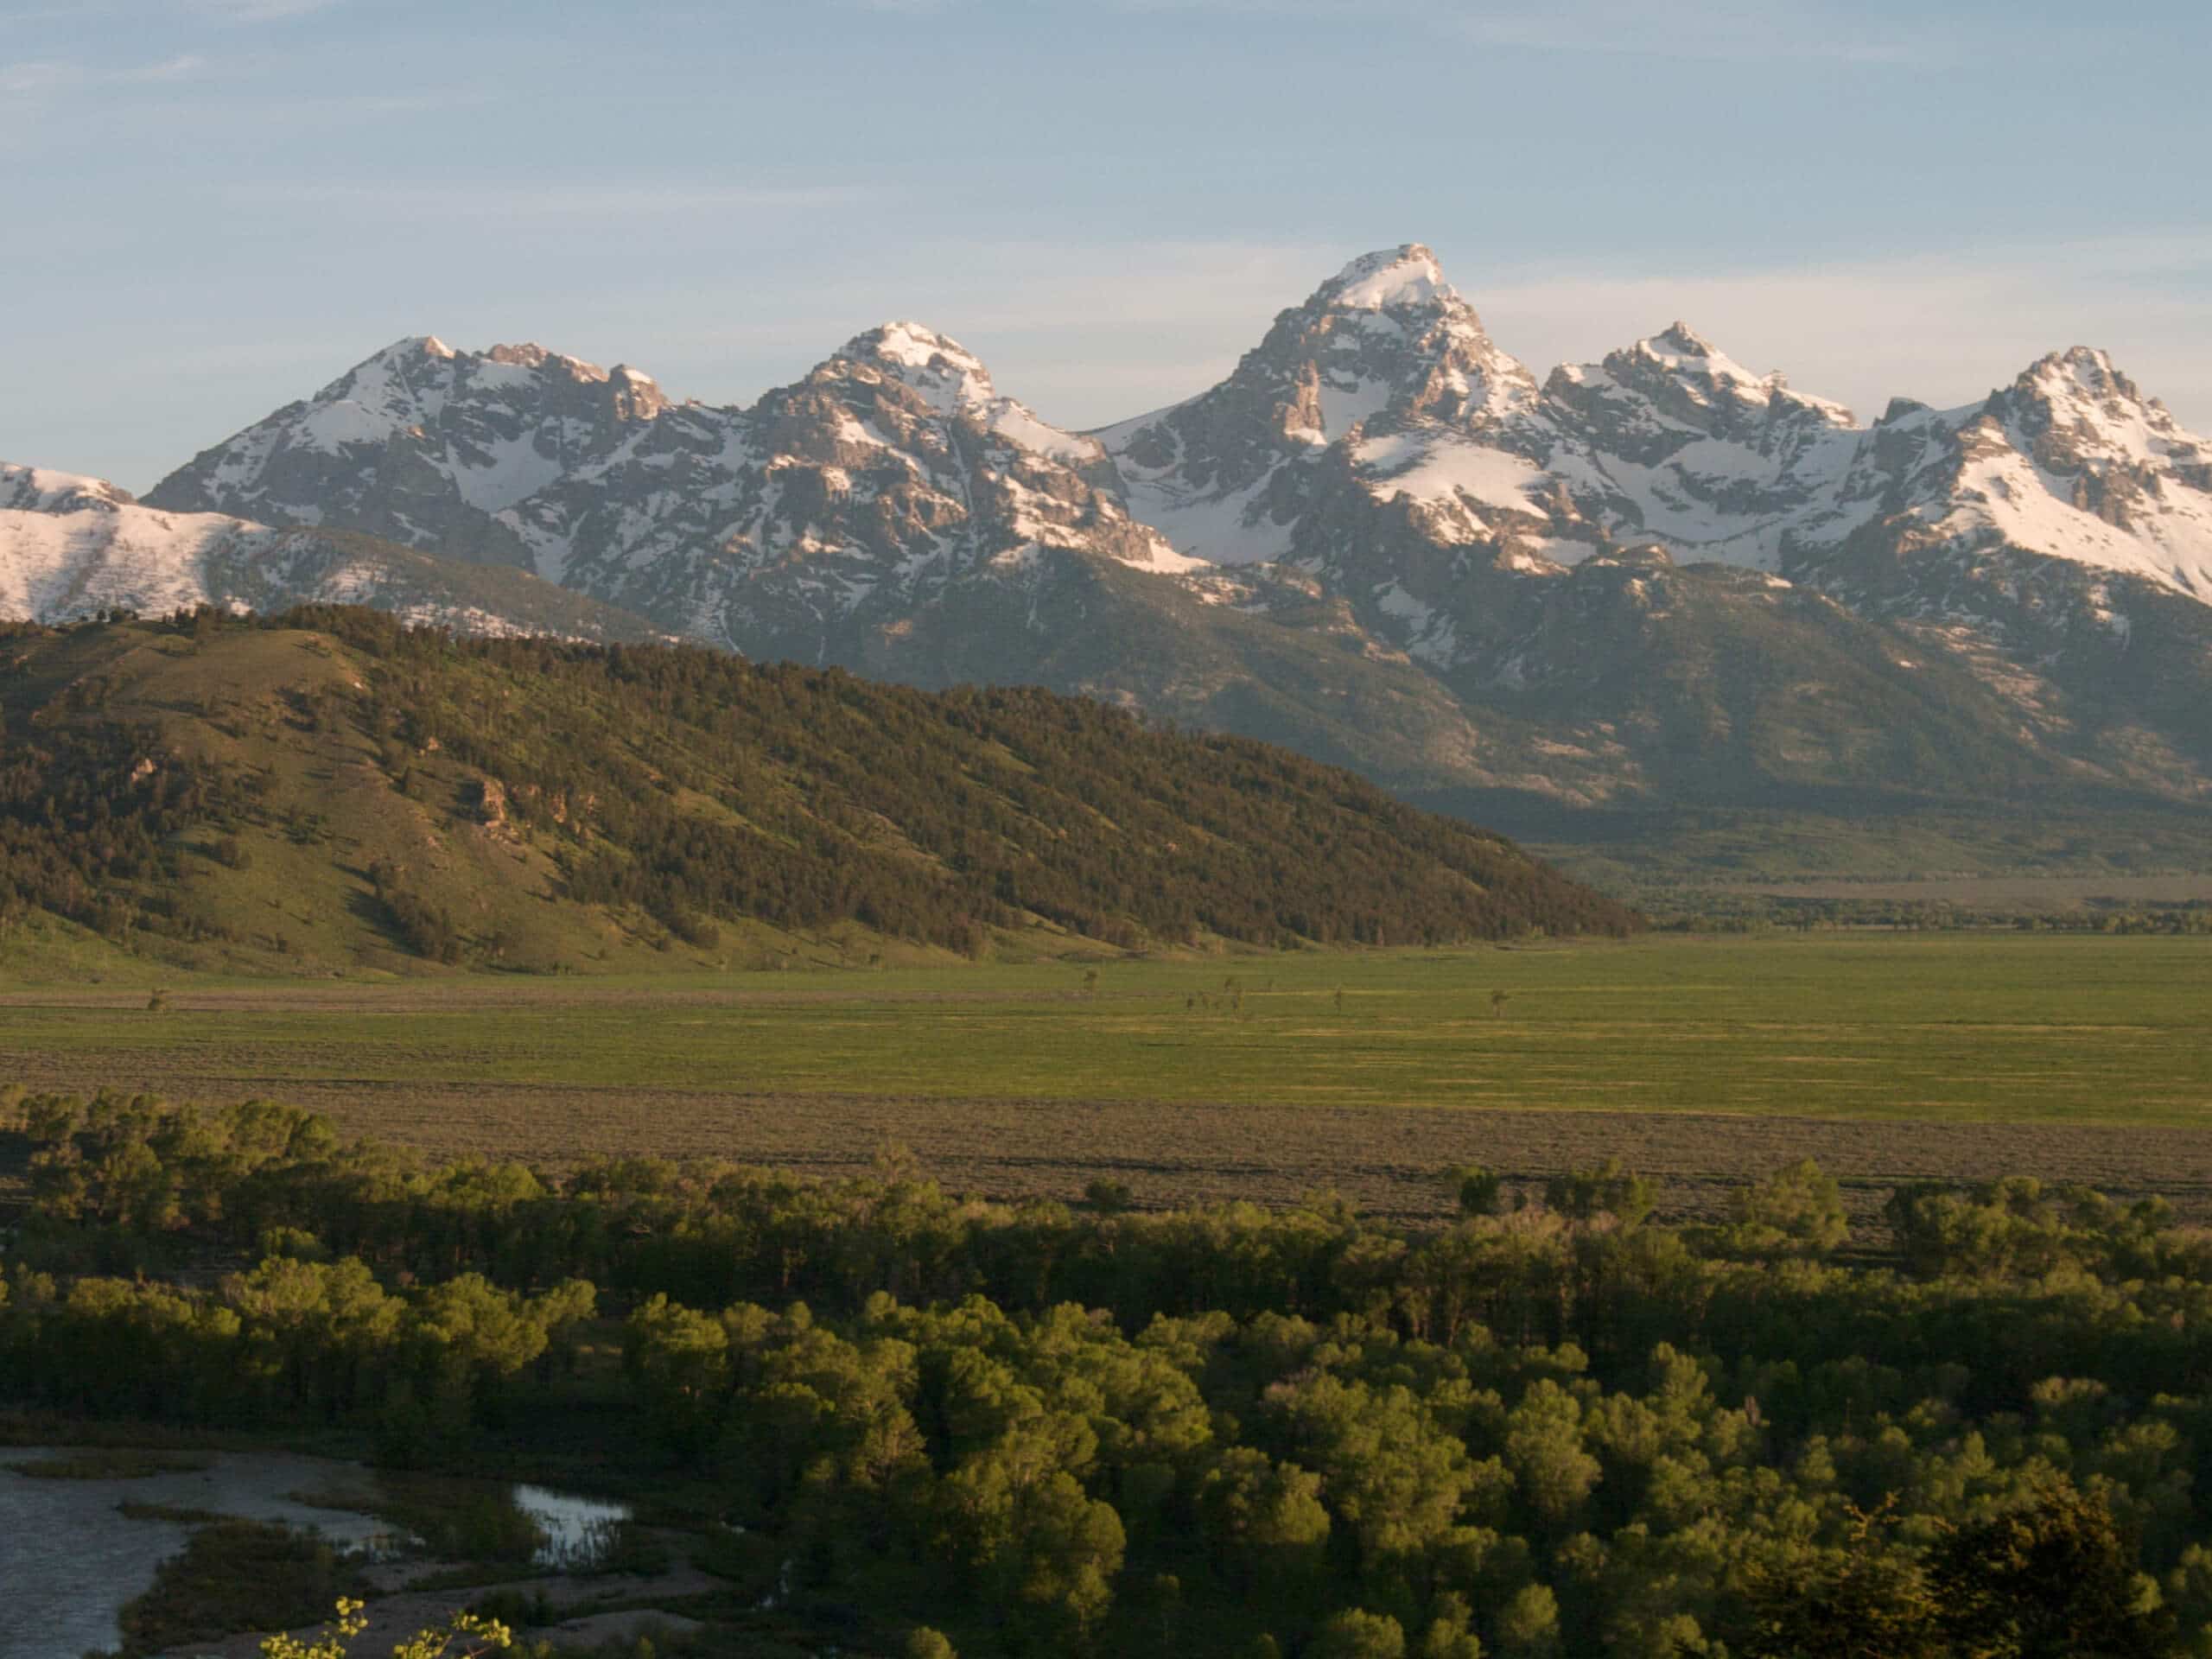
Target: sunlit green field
1914 1026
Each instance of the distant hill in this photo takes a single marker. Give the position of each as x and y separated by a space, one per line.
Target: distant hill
331 790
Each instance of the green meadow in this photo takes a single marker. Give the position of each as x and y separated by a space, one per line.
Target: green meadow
1913 1027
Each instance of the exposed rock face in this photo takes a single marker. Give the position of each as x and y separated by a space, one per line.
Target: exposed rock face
892 472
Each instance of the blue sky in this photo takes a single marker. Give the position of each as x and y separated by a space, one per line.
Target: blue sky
216 206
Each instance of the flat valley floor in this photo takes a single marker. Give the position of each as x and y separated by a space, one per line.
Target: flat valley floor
1705 1062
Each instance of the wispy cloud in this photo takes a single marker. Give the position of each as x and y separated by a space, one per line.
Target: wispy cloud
248 11
1744 31
1692 30
33 79
185 66
34 82
511 199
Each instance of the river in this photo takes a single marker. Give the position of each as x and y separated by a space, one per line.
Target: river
70 1559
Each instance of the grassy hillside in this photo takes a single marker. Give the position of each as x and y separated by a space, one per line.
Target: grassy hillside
328 791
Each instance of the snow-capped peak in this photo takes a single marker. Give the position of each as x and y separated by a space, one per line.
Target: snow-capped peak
2089 365
2084 375
1682 350
530 355
420 444
1682 341
2075 405
410 348
1387 279
42 489
943 373
952 379
912 346
1689 380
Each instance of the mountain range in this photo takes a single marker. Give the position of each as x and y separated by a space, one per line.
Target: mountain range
1593 606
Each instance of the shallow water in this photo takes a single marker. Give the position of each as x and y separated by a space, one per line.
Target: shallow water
69 1560
577 1530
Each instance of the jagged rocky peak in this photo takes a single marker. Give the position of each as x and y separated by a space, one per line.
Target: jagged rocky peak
1702 381
2078 405
1387 332
939 380
1682 341
1384 347
837 503
1645 401
2086 369
915 346
945 373
530 355
419 379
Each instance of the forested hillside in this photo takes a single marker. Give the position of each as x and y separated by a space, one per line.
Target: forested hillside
331 789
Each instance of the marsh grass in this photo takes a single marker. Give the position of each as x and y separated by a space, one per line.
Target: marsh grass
112 1462
174 1514
237 1575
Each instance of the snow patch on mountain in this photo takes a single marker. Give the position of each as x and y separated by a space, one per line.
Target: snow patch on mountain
42 489
1446 467
1407 275
54 565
